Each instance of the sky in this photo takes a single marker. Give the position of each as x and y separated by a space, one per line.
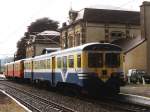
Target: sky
16 15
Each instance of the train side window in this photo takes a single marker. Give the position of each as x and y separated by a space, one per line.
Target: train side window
65 62
34 65
59 62
48 63
79 61
71 61
44 64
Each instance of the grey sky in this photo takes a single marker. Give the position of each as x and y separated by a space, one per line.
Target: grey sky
16 15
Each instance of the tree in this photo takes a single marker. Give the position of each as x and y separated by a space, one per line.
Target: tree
42 24
21 49
35 27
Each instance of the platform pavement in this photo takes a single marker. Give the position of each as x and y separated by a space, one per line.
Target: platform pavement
136 89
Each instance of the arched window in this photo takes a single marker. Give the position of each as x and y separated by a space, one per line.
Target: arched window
70 41
78 39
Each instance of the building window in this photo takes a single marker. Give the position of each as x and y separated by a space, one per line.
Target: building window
78 39
116 35
70 42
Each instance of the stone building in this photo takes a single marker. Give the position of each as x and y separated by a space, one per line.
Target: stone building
96 25
138 54
40 41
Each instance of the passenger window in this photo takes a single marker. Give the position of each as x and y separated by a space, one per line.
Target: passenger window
71 61
65 62
79 61
48 63
59 62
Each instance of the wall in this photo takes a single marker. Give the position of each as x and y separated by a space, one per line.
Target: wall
39 47
94 32
136 58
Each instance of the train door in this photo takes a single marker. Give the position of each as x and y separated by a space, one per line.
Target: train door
64 68
53 71
31 67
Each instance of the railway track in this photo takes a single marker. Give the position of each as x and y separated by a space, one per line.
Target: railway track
34 102
110 103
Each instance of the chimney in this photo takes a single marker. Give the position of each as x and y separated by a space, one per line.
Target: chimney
145 19
145 29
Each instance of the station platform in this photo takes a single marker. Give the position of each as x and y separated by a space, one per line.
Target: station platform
137 89
8 104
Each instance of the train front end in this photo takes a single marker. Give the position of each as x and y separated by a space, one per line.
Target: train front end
103 63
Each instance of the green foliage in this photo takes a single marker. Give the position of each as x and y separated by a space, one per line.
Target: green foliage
42 24
38 26
21 49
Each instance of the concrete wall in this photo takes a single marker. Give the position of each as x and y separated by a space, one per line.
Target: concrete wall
136 58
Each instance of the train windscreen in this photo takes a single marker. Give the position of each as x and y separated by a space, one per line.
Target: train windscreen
95 60
112 59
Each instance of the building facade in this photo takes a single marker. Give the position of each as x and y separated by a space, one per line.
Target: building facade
37 43
99 25
137 53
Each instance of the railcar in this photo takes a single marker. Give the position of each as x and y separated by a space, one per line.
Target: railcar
6 70
19 69
90 68
10 70
41 68
28 69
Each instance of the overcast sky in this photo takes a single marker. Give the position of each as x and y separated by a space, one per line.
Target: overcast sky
16 15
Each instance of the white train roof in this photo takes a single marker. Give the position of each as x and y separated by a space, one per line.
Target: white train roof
80 48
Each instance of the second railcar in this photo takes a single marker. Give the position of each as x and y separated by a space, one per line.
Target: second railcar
19 69
10 70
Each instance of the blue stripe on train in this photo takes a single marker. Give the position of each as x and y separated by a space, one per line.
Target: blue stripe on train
71 77
27 75
42 76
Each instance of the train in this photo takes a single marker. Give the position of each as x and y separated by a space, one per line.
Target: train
89 68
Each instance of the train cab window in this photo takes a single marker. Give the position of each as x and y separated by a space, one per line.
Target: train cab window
59 62
65 62
95 60
71 61
112 59
79 61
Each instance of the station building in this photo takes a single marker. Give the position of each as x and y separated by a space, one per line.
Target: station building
37 43
97 25
104 25
138 54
